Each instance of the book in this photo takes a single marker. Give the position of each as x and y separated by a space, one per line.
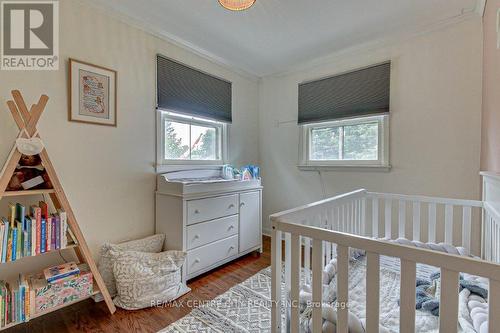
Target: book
43 236
5 239
45 209
20 213
12 214
59 272
48 246
36 212
58 232
33 236
53 239
14 244
19 241
64 228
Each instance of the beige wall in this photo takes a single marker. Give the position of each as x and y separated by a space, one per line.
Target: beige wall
108 172
434 131
490 149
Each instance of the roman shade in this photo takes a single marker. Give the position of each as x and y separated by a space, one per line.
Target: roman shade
358 93
189 91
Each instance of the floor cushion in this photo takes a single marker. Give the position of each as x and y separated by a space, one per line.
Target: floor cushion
147 279
152 244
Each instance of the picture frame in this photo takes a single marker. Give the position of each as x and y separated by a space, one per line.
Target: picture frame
92 94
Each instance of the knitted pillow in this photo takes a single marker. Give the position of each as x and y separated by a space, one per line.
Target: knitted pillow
152 244
145 279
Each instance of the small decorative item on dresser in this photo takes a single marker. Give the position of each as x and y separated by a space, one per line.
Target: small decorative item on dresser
92 97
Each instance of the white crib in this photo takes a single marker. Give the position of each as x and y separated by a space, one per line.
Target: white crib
315 233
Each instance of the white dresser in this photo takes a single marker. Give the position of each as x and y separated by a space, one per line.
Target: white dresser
214 220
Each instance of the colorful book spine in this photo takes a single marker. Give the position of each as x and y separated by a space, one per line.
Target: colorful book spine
48 246
12 214
45 209
33 236
43 236
58 232
64 228
20 236
14 244
36 212
5 240
53 241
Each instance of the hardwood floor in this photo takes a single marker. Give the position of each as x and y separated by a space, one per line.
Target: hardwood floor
88 316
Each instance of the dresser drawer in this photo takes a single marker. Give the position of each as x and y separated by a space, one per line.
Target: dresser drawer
211 208
210 254
208 232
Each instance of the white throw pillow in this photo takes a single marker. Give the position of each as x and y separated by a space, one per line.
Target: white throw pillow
145 279
152 244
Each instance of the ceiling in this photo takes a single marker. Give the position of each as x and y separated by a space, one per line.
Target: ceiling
278 35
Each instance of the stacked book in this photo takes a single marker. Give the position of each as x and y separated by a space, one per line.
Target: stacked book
33 294
25 234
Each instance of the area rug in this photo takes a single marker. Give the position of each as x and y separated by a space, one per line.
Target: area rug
245 307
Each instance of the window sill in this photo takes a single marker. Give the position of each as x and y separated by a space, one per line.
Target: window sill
352 168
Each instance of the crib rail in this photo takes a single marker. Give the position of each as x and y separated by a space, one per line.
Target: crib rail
331 227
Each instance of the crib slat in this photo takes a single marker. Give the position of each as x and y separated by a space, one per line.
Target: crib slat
448 308
407 304
295 283
276 270
466 226
363 217
402 218
494 306
342 288
375 217
372 297
388 218
307 258
448 224
432 223
416 220
288 260
317 285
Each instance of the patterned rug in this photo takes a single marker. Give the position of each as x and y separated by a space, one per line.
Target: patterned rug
245 307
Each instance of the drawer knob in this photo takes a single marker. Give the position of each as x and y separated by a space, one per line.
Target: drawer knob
242 204
231 227
196 211
196 236
231 248
231 206
197 260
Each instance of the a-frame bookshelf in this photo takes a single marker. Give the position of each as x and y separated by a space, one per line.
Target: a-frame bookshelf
26 121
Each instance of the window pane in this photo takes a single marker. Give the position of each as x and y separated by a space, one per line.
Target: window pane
203 143
176 140
361 142
325 144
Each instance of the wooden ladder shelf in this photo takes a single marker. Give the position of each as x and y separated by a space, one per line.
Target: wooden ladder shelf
26 121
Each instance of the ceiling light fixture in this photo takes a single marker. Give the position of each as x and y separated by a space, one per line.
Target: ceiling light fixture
237 5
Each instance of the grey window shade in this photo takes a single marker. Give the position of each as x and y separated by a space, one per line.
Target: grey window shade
186 90
358 93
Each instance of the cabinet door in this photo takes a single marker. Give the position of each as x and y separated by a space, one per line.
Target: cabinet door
250 234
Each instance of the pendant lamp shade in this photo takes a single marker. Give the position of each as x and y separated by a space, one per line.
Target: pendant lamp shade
237 5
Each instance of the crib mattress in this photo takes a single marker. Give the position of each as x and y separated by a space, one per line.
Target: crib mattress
389 297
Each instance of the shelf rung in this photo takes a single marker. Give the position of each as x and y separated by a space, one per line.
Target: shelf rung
27 192
70 246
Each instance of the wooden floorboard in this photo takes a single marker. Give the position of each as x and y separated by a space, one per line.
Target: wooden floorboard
88 316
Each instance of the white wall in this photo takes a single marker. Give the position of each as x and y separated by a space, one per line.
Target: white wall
107 172
435 122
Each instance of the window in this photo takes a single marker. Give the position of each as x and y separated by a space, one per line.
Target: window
352 142
189 140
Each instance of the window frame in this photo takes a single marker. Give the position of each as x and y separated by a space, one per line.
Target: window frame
163 115
383 141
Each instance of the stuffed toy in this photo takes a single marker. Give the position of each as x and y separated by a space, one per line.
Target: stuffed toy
29 167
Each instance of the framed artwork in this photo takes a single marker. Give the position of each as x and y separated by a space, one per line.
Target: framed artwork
92 94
